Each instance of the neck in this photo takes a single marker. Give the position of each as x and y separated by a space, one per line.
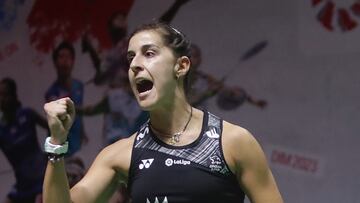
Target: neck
171 119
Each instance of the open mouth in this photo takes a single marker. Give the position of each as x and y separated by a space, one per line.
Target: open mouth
144 85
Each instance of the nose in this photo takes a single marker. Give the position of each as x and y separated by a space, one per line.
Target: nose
135 65
136 69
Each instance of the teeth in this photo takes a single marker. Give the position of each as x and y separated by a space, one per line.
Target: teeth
139 80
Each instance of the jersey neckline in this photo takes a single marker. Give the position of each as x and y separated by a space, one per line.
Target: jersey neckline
192 144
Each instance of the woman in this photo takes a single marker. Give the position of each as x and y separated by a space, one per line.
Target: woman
181 154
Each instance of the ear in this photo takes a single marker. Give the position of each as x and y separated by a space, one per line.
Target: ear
182 66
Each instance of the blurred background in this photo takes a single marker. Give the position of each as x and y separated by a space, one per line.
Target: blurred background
301 58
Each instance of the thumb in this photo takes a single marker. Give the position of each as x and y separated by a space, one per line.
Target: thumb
68 118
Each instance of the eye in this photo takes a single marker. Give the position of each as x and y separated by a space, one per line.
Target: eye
149 53
129 57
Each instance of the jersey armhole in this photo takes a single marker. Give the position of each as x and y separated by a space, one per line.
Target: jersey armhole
132 164
222 150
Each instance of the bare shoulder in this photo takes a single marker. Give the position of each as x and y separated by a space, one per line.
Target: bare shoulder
247 161
110 167
235 136
238 145
118 154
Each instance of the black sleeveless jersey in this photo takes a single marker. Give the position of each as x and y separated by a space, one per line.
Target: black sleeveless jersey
195 173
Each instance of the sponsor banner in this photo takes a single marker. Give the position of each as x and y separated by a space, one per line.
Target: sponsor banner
295 161
328 27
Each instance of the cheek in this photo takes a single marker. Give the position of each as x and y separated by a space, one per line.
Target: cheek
131 77
164 70
163 76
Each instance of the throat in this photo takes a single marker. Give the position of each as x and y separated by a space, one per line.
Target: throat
173 138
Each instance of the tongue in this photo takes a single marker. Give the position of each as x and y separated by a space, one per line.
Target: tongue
144 86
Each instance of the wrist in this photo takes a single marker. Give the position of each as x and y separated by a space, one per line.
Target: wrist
52 148
54 158
57 141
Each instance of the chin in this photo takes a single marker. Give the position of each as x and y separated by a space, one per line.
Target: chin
149 103
146 105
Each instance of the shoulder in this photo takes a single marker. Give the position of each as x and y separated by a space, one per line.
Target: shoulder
236 133
239 146
118 154
247 161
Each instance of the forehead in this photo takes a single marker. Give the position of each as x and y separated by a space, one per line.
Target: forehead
147 37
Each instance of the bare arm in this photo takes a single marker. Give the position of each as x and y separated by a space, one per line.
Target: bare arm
99 183
248 162
106 173
56 186
60 116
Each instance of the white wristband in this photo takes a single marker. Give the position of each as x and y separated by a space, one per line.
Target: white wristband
55 149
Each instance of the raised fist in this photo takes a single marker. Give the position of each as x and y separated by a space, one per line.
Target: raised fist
60 116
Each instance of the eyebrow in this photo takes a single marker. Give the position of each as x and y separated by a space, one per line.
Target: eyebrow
144 47
147 46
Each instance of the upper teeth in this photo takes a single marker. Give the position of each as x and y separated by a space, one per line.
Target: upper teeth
139 80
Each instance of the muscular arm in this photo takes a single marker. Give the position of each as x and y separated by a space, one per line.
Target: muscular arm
56 186
107 171
248 162
102 177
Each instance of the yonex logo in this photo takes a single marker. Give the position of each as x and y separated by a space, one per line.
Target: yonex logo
157 200
212 133
146 163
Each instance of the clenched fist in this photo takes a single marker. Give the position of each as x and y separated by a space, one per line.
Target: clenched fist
60 116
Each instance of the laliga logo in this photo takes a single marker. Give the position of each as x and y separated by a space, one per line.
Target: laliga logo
169 162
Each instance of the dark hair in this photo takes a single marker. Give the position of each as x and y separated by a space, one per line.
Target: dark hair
12 88
10 85
173 38
61 46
